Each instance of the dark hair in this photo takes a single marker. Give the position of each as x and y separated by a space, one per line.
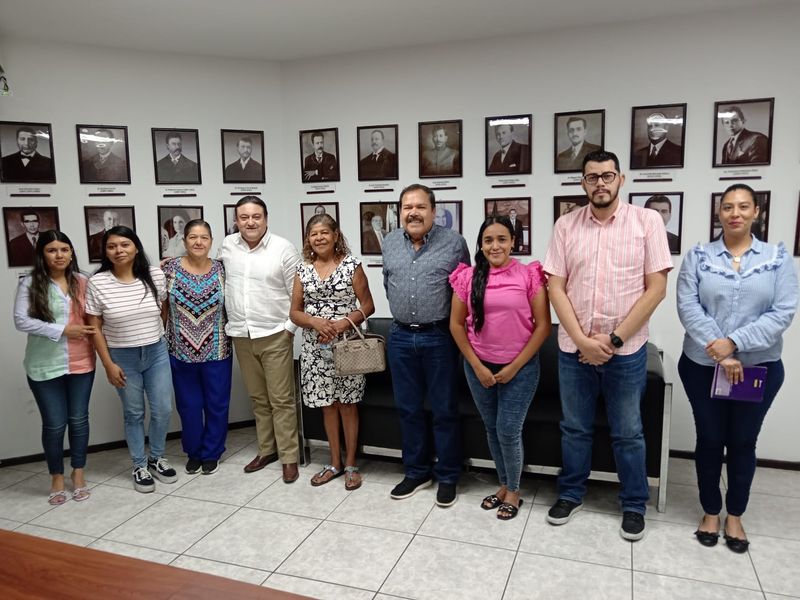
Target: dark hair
340 248
246 138
108 131
172 134
738 111
418 187
141 265
601 156
658 198
574 119
383 137
26 128
740 186
317 134
249 200
40 279
480 274
28 213
196 223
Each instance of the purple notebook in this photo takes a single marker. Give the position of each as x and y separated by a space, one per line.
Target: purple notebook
751 389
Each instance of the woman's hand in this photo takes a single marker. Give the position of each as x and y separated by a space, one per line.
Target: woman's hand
78 331
485 376
720 349
342 326
115 374
733 370
326 329
506 374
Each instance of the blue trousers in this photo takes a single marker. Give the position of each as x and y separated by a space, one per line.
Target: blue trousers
202 397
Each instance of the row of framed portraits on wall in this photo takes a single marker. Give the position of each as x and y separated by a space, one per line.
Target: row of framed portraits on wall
742 137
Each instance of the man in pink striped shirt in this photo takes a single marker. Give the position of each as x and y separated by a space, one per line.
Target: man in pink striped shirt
607 265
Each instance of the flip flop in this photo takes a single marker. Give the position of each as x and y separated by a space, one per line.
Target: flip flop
510 510
80 494
352 473
316 480
57 498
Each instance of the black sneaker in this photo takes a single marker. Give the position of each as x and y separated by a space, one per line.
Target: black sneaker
446 494
142 480
193 466
408 487
632 526
162 470
210 467
561 512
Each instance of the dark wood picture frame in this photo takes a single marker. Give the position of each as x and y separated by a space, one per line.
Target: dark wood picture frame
187 172
172 244
20 252
522 206
329 169
566 204
450 214
797 231
254 172
309 209
760 225
96 215
426 131
665 206
518 159
116 167
367 211
11 167
752 147
229 215
666 120
386 166
562 159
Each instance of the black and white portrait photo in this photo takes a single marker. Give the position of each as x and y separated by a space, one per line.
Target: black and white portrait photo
508 145
377 152
760 227
309 209
172 221
576 135
519 211
242 156
657 136
797 232
669 205
176 154
100 219
440 146
448 214
103 154
377 220
319 155
230 219
23 225
26 153
563 205
743 132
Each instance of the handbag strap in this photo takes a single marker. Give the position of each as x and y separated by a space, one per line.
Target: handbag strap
355 327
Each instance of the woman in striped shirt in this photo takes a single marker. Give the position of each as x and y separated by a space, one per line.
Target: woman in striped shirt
59 357
125 301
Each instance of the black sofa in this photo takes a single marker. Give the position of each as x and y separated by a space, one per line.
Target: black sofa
379 431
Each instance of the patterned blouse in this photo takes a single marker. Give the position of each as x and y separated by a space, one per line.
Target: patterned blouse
196 322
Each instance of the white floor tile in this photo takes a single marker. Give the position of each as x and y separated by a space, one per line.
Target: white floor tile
229 485
149 554
776 516
56 534
776 562
780 482
371 506
10 476
221 569
301 498
316 589
26 499
647 586
9 525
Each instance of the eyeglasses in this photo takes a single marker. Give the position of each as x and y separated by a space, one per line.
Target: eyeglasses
607 177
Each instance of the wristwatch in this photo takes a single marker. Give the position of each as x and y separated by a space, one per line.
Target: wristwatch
616 341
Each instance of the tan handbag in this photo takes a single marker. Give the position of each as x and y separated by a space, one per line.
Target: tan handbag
359 353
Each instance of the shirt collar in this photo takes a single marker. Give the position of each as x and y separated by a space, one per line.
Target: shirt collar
425 238
756 246
620 210
262 242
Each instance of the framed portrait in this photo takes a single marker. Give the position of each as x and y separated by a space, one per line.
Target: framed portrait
242 156
509 141
23 225
519 211
760 227
440 146
100 219
669 205
563 205
576 135
309 209
319 155
230 219
377 152
103 154
26 152
448 214
743 132
658 133
797 232
176 156
171 222
377 219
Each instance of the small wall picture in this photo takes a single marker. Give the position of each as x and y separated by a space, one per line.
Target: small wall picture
563 205
760 227
508 145
171 222
319 155
377 220
440 146
242 156
448 214
669 205
657 136
103 153
797 232
23 225
100 219
309 209
576 135
519 211
743 132
176 156
230 219
26 152
377 152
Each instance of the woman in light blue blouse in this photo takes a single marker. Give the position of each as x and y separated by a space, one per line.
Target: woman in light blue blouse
736 297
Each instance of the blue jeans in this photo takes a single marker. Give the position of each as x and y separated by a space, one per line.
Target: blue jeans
424 364
64 400
725 424
622 381
503 408
146 370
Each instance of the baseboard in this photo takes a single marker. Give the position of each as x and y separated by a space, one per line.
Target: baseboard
786 465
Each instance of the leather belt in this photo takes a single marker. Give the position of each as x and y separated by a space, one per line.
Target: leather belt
421 326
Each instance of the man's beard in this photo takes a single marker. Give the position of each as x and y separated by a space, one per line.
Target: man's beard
603 203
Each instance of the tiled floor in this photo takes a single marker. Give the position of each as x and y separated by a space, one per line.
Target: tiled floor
328 543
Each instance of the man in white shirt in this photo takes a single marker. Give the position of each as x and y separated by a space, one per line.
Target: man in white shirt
259 274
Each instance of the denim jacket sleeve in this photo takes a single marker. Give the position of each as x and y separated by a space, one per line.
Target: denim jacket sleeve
27 324
698 324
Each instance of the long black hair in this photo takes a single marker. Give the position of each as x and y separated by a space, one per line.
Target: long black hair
141 265
480 274
40 279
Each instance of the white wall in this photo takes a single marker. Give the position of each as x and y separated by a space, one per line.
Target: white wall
599 67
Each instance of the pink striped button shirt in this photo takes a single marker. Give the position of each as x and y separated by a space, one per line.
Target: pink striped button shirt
605 265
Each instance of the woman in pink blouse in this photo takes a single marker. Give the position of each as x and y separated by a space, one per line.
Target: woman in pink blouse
500 318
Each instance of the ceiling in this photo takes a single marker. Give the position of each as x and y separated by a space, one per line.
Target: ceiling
283 30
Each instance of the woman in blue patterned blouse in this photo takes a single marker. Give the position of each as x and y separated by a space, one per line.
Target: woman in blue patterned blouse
199 350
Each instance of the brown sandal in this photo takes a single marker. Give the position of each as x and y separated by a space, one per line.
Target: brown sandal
322 477
352 480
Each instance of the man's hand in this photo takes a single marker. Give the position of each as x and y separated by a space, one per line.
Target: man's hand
596 350
309 174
